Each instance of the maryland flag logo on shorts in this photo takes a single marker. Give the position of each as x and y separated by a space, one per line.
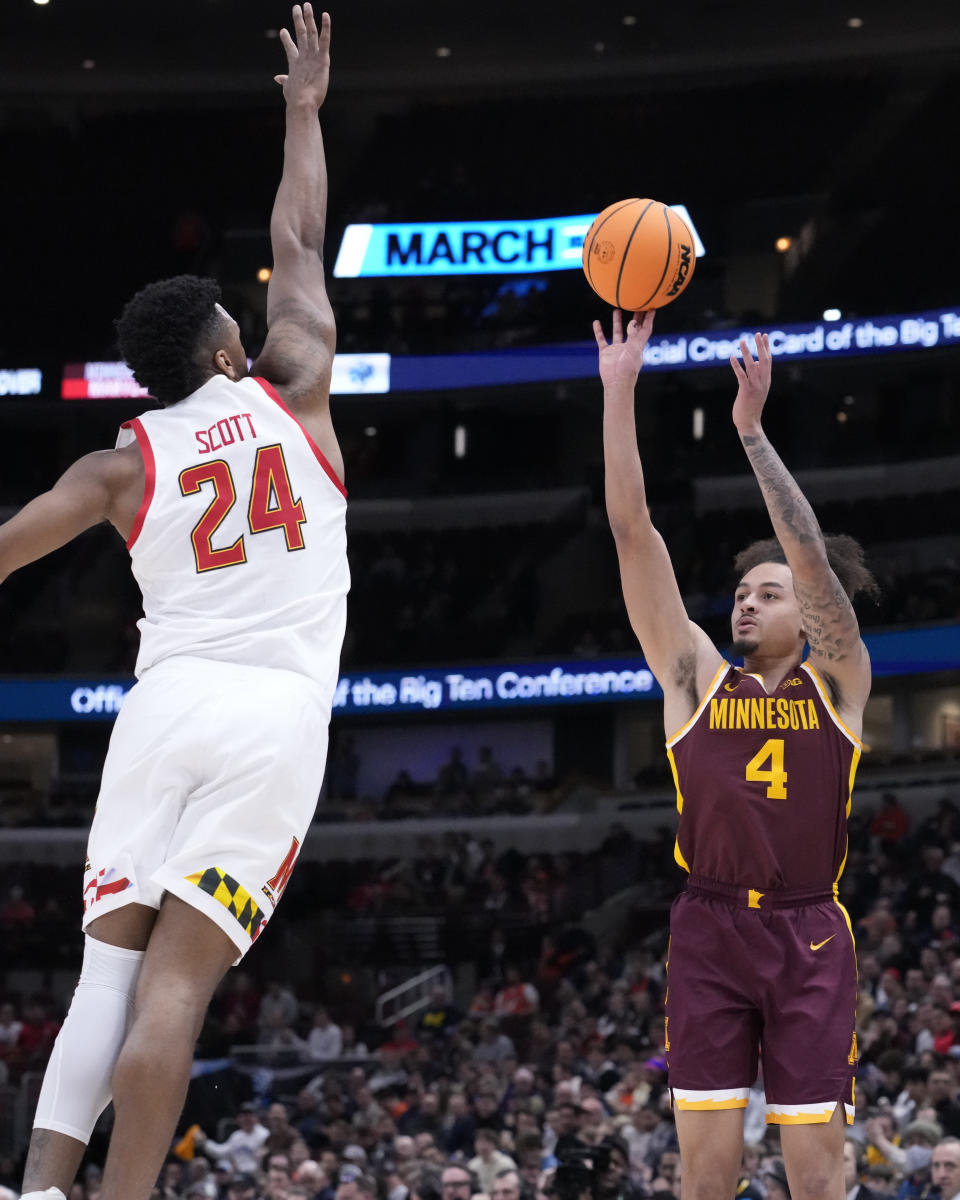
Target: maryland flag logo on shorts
232 896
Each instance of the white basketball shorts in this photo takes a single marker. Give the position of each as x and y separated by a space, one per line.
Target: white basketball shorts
209 787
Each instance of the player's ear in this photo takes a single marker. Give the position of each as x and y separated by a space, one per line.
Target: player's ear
223 364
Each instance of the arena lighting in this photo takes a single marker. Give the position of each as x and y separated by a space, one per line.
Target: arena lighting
41 2
443 52
832 314
263 275
698 424
471 247
855 22
783 244
460 442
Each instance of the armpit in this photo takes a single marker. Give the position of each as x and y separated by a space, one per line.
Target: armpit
685 674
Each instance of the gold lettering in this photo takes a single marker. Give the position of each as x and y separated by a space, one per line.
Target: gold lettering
794 719
743 714
756 714
802 713
783 713
771 724
718 714
812 715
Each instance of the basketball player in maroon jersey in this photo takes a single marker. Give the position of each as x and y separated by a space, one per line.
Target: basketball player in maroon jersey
762 964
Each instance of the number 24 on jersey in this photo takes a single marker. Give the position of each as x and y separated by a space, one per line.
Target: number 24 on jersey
271 506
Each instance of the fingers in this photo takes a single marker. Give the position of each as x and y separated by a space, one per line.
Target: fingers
737 369
281 79
325 29
617 335
299 27
598 334
745 353
289 46
310 27
763 346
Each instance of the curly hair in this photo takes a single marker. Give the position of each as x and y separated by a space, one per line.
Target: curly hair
844 553
160 331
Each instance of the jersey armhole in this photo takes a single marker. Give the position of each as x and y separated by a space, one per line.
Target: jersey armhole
711 688
318 453
149 477
821 687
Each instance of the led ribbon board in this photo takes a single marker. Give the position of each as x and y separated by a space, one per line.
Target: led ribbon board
548 682
22 381
470 247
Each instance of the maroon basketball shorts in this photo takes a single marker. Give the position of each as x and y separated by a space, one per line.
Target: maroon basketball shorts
761 980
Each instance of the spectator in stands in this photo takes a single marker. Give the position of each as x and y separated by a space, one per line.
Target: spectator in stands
488 1161
945 1169
942 1093
278 1002
452 776
456 1183
494 1046
326 1038
440 1017
244 1148
516 998
16 912
891 824
932 886
282 1134
487 778
506 1185
350 1047
355 1185
10 1029
38 1032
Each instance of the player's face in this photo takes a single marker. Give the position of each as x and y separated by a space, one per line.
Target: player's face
765 614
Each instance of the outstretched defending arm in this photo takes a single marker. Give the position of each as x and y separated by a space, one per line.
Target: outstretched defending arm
298 352
86 494
829 621
677 651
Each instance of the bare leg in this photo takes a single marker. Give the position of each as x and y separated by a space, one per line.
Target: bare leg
813 1156
186 958
54 1158
711 1146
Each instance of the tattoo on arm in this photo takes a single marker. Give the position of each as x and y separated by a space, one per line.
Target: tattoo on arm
793 518
828 618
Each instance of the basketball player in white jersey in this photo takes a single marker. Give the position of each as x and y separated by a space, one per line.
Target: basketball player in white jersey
231 503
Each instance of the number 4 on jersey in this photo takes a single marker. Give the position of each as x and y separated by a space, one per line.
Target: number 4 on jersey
272 506
776 776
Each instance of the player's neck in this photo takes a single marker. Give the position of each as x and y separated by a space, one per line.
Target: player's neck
772 669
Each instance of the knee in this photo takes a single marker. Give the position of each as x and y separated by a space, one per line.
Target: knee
172 1006
813 1181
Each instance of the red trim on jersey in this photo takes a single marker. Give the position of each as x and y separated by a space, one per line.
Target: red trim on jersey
320 456
149 476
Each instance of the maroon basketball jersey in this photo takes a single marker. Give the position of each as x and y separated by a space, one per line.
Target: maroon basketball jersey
764 783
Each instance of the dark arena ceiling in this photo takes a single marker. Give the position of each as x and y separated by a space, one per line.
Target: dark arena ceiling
181 47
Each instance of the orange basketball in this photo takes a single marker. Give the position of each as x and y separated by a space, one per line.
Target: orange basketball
638 254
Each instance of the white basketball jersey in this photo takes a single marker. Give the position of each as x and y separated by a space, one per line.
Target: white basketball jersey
239 546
